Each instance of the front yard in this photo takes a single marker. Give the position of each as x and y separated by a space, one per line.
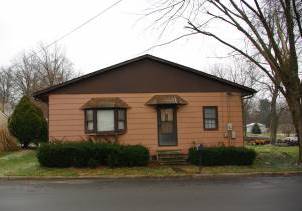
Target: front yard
269 159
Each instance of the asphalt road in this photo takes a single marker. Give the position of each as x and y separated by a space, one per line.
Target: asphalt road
226 194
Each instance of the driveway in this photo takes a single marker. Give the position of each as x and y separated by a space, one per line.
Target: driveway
226 194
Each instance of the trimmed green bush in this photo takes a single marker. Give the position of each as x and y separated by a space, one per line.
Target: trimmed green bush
87 154
221 156
27 123
92 163
129 155
256 129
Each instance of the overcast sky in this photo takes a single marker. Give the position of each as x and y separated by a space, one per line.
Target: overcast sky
113 37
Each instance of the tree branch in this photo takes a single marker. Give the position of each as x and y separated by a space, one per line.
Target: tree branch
193 27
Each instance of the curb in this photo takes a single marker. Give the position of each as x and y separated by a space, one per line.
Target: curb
138 177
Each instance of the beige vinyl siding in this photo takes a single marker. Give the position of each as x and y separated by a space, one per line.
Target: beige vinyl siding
66 119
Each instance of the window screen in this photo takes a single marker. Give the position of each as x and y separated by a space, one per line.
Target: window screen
210 119
89 120
105 120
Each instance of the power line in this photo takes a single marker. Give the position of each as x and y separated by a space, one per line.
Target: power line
80 26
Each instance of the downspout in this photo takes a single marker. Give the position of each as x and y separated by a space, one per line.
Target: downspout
229 132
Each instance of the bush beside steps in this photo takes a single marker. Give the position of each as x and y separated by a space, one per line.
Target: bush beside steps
221 156
87 154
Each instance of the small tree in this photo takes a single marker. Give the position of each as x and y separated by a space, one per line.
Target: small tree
256 129
27 123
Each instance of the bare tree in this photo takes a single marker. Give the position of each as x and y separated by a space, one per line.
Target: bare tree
241 71
274 114
53 67
244 73
41 68
285 122
26 75
272 46
276 105
6 88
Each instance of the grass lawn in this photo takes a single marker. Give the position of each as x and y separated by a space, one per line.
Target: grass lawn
269 159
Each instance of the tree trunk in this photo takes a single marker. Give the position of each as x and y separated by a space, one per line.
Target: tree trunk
3 104
274 118
299 134
295 105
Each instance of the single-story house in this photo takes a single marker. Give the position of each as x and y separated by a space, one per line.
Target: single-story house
150 101
249 127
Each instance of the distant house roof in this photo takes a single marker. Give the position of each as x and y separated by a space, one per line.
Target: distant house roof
117 84
252 124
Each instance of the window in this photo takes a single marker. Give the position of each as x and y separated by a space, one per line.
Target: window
89 120
210 118
166 120
167 126
121 119
105 120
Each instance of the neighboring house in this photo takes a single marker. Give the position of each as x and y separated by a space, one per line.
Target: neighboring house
3 120
149 101
249 127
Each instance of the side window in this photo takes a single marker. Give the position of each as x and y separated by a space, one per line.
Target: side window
121 119
89 124
210 118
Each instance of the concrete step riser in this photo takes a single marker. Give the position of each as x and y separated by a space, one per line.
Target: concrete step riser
172 157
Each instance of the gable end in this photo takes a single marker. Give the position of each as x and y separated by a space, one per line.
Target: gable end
145 74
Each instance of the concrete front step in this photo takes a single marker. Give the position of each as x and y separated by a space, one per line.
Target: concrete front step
163 152
171 157
173 163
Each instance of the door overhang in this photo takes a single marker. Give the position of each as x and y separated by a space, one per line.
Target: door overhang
166 100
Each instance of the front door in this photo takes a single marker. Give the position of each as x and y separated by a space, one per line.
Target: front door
167 128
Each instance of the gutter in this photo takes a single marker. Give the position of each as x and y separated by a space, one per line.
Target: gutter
248 96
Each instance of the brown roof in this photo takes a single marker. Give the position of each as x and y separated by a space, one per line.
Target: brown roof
126 85
166 100
108 102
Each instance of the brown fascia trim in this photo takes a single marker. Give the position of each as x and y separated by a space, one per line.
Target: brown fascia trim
246 90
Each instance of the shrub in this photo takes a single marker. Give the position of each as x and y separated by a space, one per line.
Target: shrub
92 163
87 154
27 123
256 129
129 155
52 156
215 156
135 155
